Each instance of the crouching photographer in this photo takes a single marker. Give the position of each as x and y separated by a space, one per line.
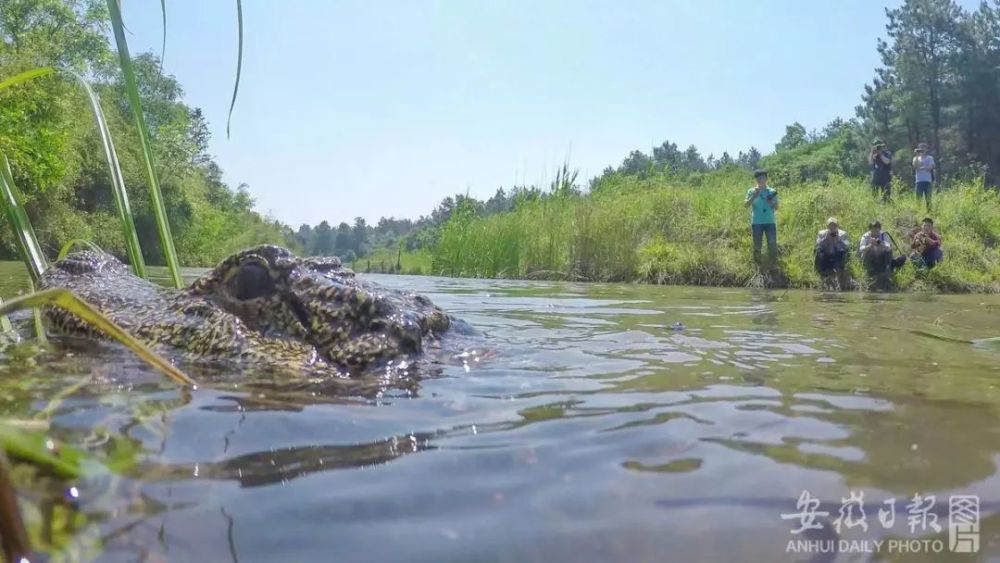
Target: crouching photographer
832 249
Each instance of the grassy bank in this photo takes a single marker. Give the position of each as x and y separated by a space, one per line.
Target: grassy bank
386 261
696 232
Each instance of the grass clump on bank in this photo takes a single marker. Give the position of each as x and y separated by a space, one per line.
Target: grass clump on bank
696 231
385 261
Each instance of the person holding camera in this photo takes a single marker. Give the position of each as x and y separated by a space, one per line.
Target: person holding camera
763 202
923 167
925 243
831 252
880 159
875 252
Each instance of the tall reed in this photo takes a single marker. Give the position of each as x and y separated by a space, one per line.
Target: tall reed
117 181
129 233
132 93
13 205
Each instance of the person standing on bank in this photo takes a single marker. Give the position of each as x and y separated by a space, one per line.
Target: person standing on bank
763 202
880 159
923 167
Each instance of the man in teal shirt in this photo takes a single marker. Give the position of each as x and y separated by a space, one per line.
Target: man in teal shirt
763 202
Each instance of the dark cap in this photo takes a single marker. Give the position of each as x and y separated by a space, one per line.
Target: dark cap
922 147
877 143
759 172
874 225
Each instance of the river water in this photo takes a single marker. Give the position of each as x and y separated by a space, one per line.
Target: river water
599 423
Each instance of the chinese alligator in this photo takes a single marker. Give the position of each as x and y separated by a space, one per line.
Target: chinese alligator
263 306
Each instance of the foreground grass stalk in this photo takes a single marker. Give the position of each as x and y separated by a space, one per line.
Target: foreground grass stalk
163 48
70 245
30 446
70 302
13 535
132 92
26 75
5 326
27 242
129 233
239 64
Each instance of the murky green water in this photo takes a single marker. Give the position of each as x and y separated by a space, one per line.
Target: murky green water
597 431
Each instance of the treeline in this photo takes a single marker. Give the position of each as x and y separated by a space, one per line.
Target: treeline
360 240
48 133
940 83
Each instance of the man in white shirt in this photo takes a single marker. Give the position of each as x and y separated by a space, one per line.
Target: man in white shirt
874 250
923 167
832 248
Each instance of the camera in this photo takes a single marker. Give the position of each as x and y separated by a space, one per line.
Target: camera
771 195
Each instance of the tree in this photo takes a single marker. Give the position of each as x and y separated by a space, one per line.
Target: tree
667 157
359 236
750 159
323 241
304 237
343 240
637 163
693 161
795 136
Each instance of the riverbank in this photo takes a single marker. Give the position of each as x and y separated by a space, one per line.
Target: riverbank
695 231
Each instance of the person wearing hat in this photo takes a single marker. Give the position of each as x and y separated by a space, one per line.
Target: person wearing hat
763 202
832 248
923 167
880 159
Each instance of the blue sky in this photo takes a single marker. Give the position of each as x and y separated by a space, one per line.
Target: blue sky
382 108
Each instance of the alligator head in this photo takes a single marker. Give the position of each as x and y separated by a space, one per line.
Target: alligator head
264 305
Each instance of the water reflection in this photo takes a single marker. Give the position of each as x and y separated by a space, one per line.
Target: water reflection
282 465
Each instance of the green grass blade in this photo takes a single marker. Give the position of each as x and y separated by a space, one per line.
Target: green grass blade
132 92
13 533
27 242
36 315
239 64
68 247
129 233
5 325
31 447
163 48
26 75
67 301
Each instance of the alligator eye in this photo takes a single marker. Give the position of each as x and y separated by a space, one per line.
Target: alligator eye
252 281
